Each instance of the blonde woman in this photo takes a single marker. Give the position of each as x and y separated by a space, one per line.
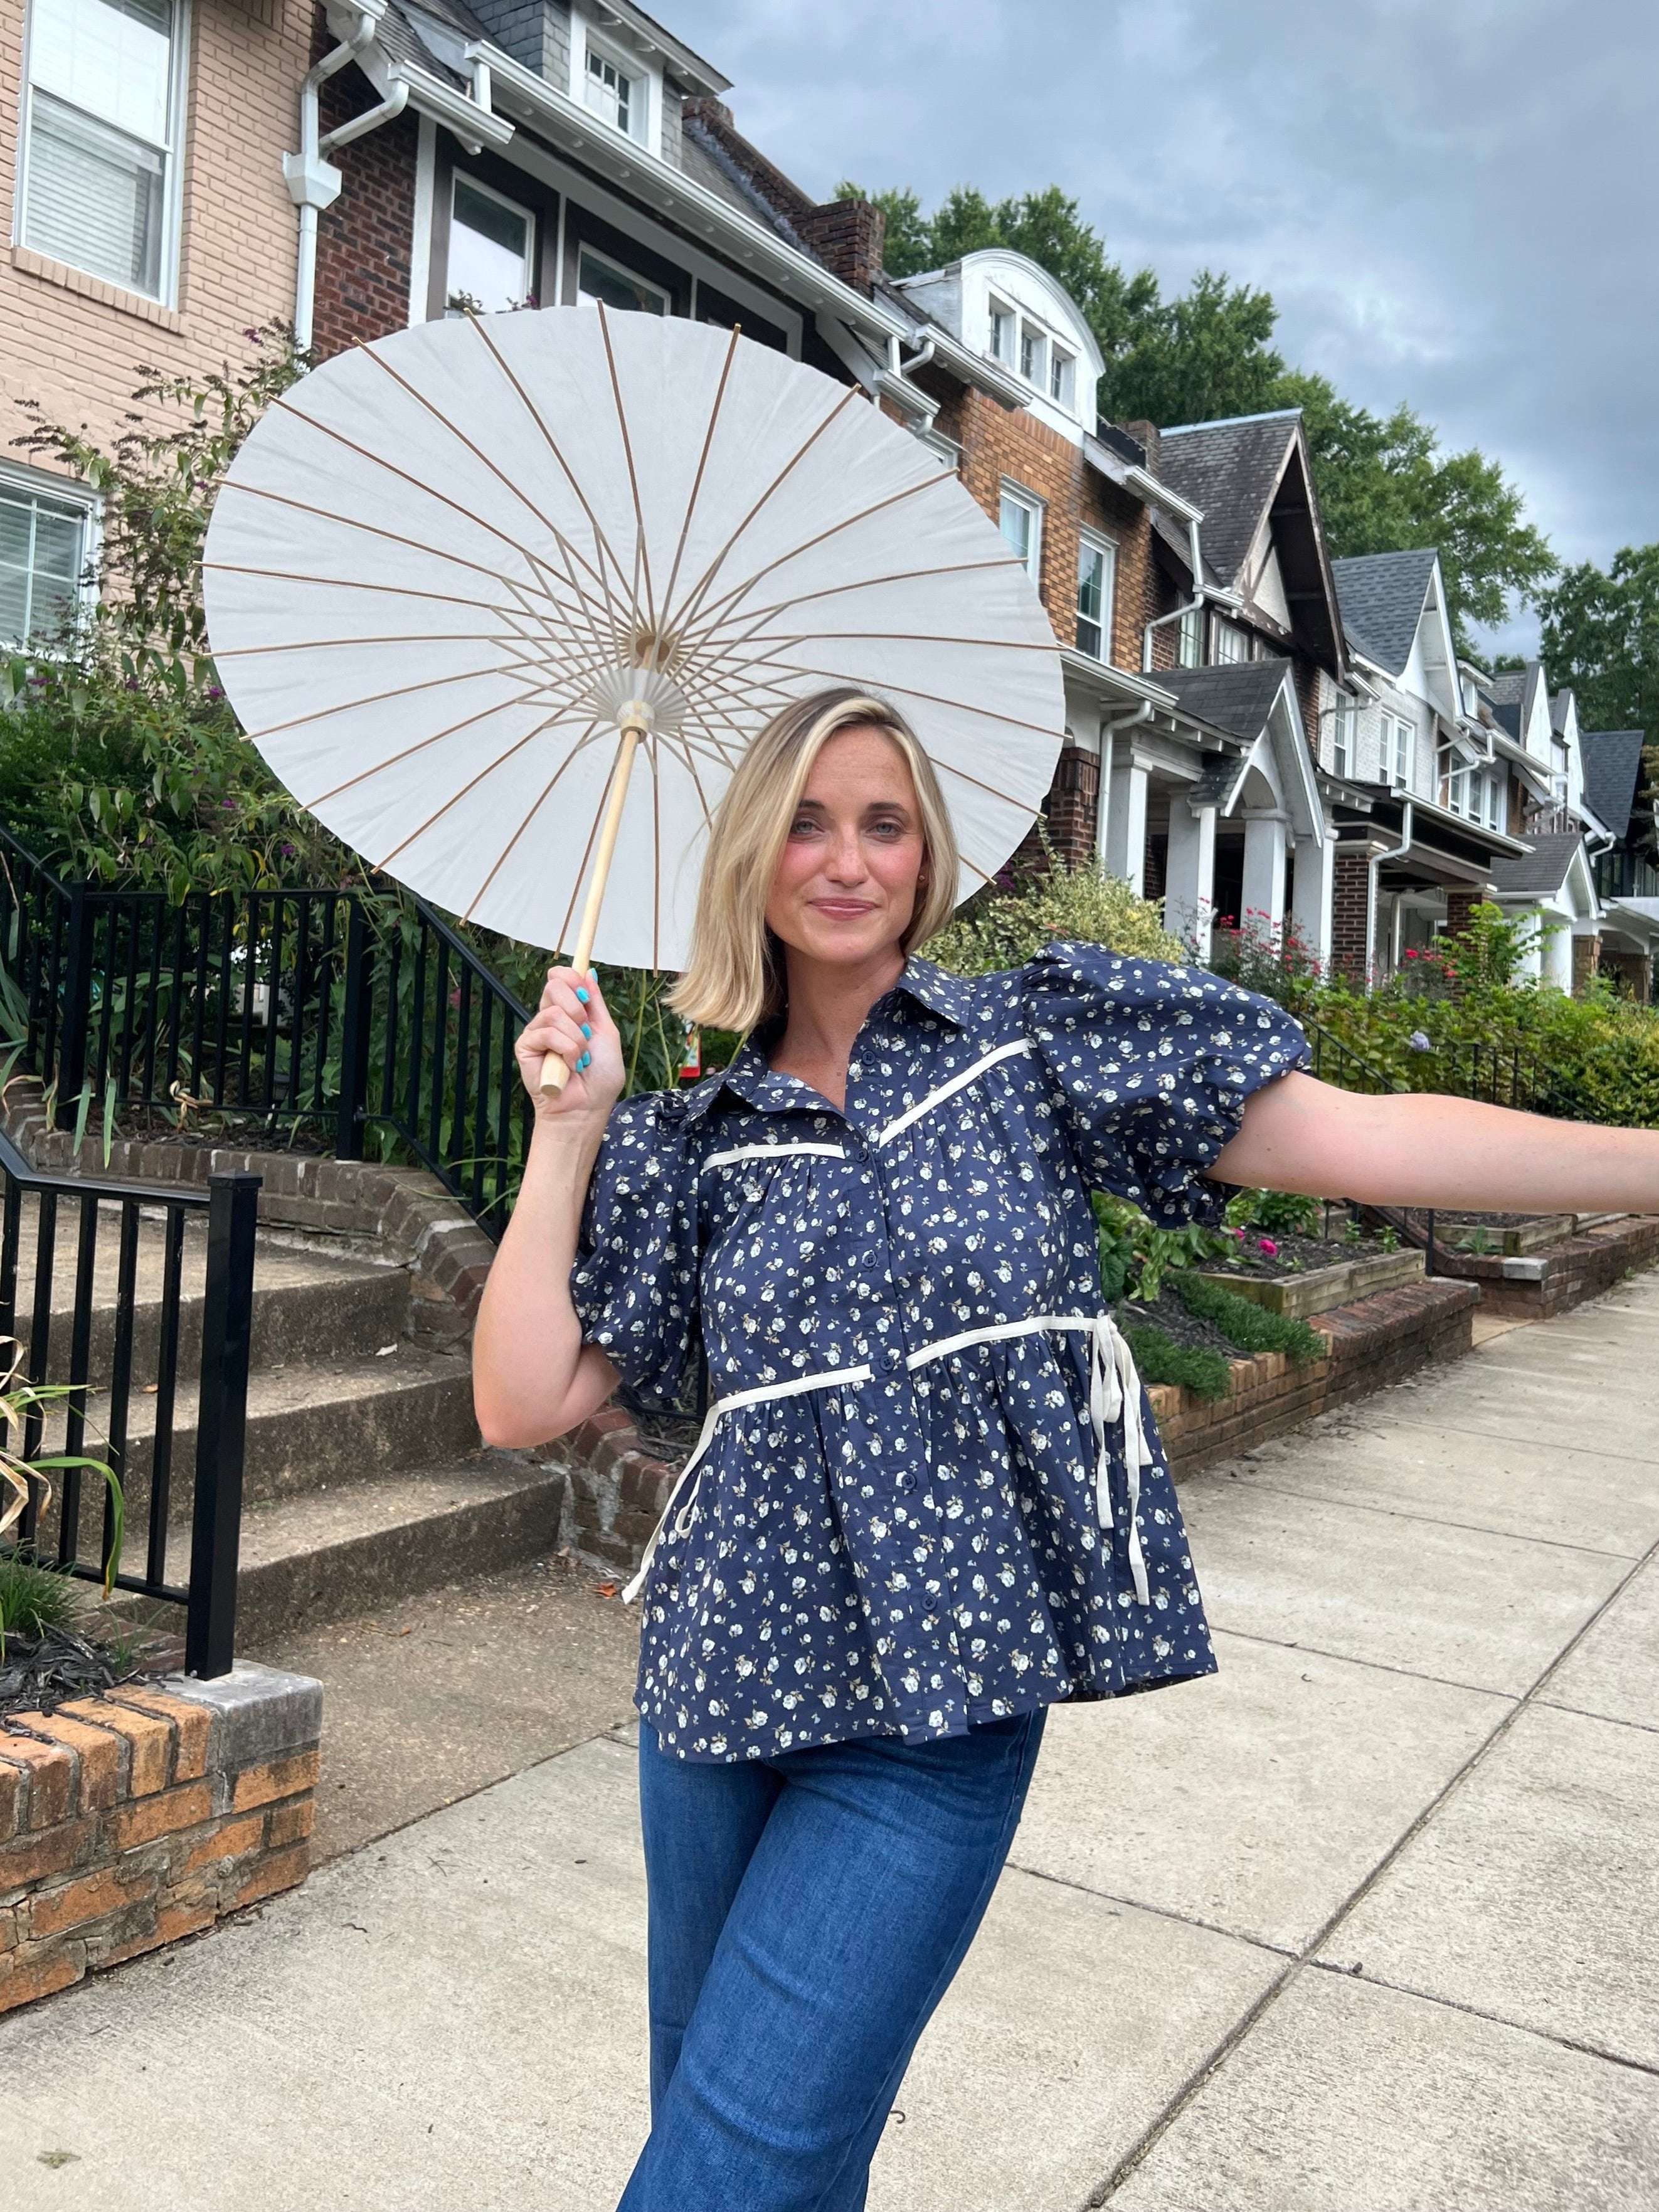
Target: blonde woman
930 1501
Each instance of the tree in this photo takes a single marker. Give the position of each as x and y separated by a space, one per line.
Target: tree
1384 483
1601 634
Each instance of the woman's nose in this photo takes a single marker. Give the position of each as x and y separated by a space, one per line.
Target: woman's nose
846 860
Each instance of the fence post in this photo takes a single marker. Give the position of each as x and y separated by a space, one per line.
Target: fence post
77 1011
221 1423
353 1037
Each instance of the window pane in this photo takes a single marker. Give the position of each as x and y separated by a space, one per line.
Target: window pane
113 61
489 249
1017 527
610 94
41 554
94 199
599 280
1189 646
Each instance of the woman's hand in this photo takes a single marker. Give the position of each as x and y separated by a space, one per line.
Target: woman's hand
572 1022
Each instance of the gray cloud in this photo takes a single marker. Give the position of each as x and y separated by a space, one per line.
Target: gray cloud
1450 200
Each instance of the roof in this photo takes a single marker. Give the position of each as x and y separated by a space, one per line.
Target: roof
1613 769
1231 470
1541 872
1236 698
1508 687
1507 713
1381 597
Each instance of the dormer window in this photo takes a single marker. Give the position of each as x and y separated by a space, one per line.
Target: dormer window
615 92
1033 347
1003 321
1062 378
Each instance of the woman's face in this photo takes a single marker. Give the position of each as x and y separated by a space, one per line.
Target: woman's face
848 880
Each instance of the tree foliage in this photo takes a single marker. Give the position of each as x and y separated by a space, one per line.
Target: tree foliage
1385 483
1601 634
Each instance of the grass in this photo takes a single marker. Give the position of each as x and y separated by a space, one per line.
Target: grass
33 1598
1251 1327
1161 1359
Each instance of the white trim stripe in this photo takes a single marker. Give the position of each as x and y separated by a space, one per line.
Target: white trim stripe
771 1152
1020 1045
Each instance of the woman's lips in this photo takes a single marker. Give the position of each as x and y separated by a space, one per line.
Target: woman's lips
844 910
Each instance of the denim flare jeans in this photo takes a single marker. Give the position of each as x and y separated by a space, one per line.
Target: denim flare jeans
807 1913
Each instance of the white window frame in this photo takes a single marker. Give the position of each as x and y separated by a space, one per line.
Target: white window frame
1221 629
1189 637
1493 810
1002 315
585 38
173 195
459 176
40 483
948 451
1094 541
586 252
1402 757
1062 371
1016 495
1033 341
1343 719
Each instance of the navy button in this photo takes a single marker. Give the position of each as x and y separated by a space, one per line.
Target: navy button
907 1482
890 1362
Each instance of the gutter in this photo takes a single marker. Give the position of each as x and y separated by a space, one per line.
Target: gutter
1407 824
1109 730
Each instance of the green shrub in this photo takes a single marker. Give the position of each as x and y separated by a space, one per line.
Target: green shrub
1161 1359
1001 928
33 1598
1241 1321
1277 1213
1135 1255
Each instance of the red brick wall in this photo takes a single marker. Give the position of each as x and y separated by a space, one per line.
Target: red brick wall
363 241
1460 905
1586 959
1351 951
1074 806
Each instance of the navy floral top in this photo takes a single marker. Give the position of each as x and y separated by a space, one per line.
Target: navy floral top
930 1494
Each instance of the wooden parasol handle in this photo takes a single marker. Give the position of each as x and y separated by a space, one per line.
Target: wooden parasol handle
554 1075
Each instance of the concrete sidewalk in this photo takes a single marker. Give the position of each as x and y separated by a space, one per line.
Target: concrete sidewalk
1370 1923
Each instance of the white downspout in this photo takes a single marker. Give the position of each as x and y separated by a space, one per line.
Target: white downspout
313 182
1109 730
1407 824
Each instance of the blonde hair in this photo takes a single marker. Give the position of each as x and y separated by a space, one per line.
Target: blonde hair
735 976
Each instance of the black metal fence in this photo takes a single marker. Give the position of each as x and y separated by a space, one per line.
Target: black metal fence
1497 1074
349 1010
160 1290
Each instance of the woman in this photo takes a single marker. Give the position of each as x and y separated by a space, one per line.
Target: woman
929 1502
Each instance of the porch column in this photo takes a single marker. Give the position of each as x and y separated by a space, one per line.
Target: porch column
1189 874
1312 897
1126 821
1264 869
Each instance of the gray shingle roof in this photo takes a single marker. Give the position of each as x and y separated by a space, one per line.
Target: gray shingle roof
1539 874
1235 698
1382 596
1507 715
1612 768
1231 470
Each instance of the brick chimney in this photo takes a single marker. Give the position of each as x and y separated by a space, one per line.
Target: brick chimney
848 237
1147 435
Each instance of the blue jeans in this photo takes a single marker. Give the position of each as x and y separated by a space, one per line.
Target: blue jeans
807 1913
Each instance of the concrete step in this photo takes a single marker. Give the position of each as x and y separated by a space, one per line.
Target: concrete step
308 1303
321 1424
327 1553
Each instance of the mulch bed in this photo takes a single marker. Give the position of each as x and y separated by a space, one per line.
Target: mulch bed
38 1672
1295 1255
1166 1312
227 1132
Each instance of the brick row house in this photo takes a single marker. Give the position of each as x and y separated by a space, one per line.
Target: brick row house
181 170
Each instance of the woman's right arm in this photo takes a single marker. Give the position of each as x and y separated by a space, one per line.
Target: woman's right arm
533 1375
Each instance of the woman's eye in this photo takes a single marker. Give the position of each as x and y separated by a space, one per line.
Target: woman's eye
803 826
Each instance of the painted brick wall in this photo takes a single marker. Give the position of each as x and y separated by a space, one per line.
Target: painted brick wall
72 341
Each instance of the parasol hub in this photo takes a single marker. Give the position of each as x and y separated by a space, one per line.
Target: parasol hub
641 699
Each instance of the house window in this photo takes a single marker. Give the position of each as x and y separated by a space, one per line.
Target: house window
1189 638
611 93
1403 748
600 278
947 450
1062 376
1342 720
1095 567
1032 351
1002 332
1228 643
1494 802
43 553
1021 520
103 102
490 249
1457 793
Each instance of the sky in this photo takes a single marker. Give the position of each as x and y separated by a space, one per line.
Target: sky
1452 201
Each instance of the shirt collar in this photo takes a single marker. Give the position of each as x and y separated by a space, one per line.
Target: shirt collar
751 1078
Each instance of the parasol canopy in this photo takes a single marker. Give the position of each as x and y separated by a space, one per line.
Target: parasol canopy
449 571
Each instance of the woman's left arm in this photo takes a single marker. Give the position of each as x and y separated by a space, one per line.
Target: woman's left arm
1416 1148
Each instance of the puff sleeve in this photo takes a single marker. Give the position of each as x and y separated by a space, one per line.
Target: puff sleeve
634 1282
1153 1066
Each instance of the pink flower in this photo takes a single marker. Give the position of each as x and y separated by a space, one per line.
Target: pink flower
1267 1248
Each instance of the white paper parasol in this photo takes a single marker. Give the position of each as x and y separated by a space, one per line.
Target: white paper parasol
456 577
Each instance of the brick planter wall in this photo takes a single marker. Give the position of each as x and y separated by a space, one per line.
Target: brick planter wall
1540 1283
619 1488
1374 1342
130 1820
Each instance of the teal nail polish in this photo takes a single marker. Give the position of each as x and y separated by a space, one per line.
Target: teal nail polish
587 1028
582 994
583 1061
